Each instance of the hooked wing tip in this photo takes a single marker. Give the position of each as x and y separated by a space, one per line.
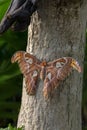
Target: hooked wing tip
76 65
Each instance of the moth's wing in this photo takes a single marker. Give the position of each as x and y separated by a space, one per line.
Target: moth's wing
50 81
63 66
32 76
29 66
19 57
57 71
25 61
31 81
54 73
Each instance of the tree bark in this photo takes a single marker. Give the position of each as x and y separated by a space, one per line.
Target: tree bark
57 29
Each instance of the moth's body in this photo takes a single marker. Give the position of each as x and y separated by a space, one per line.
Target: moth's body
52 73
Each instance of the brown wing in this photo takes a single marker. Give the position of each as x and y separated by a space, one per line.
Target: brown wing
50 81
64 66
57 71
29 67
31 81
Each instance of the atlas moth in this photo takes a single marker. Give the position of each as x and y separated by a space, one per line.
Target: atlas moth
52 73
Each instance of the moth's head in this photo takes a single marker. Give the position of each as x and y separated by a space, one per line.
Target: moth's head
43 63
75 65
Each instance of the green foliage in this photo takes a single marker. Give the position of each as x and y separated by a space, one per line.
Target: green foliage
85 76
11 128
84 128
10 77
84 101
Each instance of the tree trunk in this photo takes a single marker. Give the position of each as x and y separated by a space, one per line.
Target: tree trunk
57 29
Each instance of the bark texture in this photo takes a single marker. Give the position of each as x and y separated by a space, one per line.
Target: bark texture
57 29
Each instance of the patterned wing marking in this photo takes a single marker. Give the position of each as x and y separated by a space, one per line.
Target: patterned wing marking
50 81
31 82
52 72
57 71
29 67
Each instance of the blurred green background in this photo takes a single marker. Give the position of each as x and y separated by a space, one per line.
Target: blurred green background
11 78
